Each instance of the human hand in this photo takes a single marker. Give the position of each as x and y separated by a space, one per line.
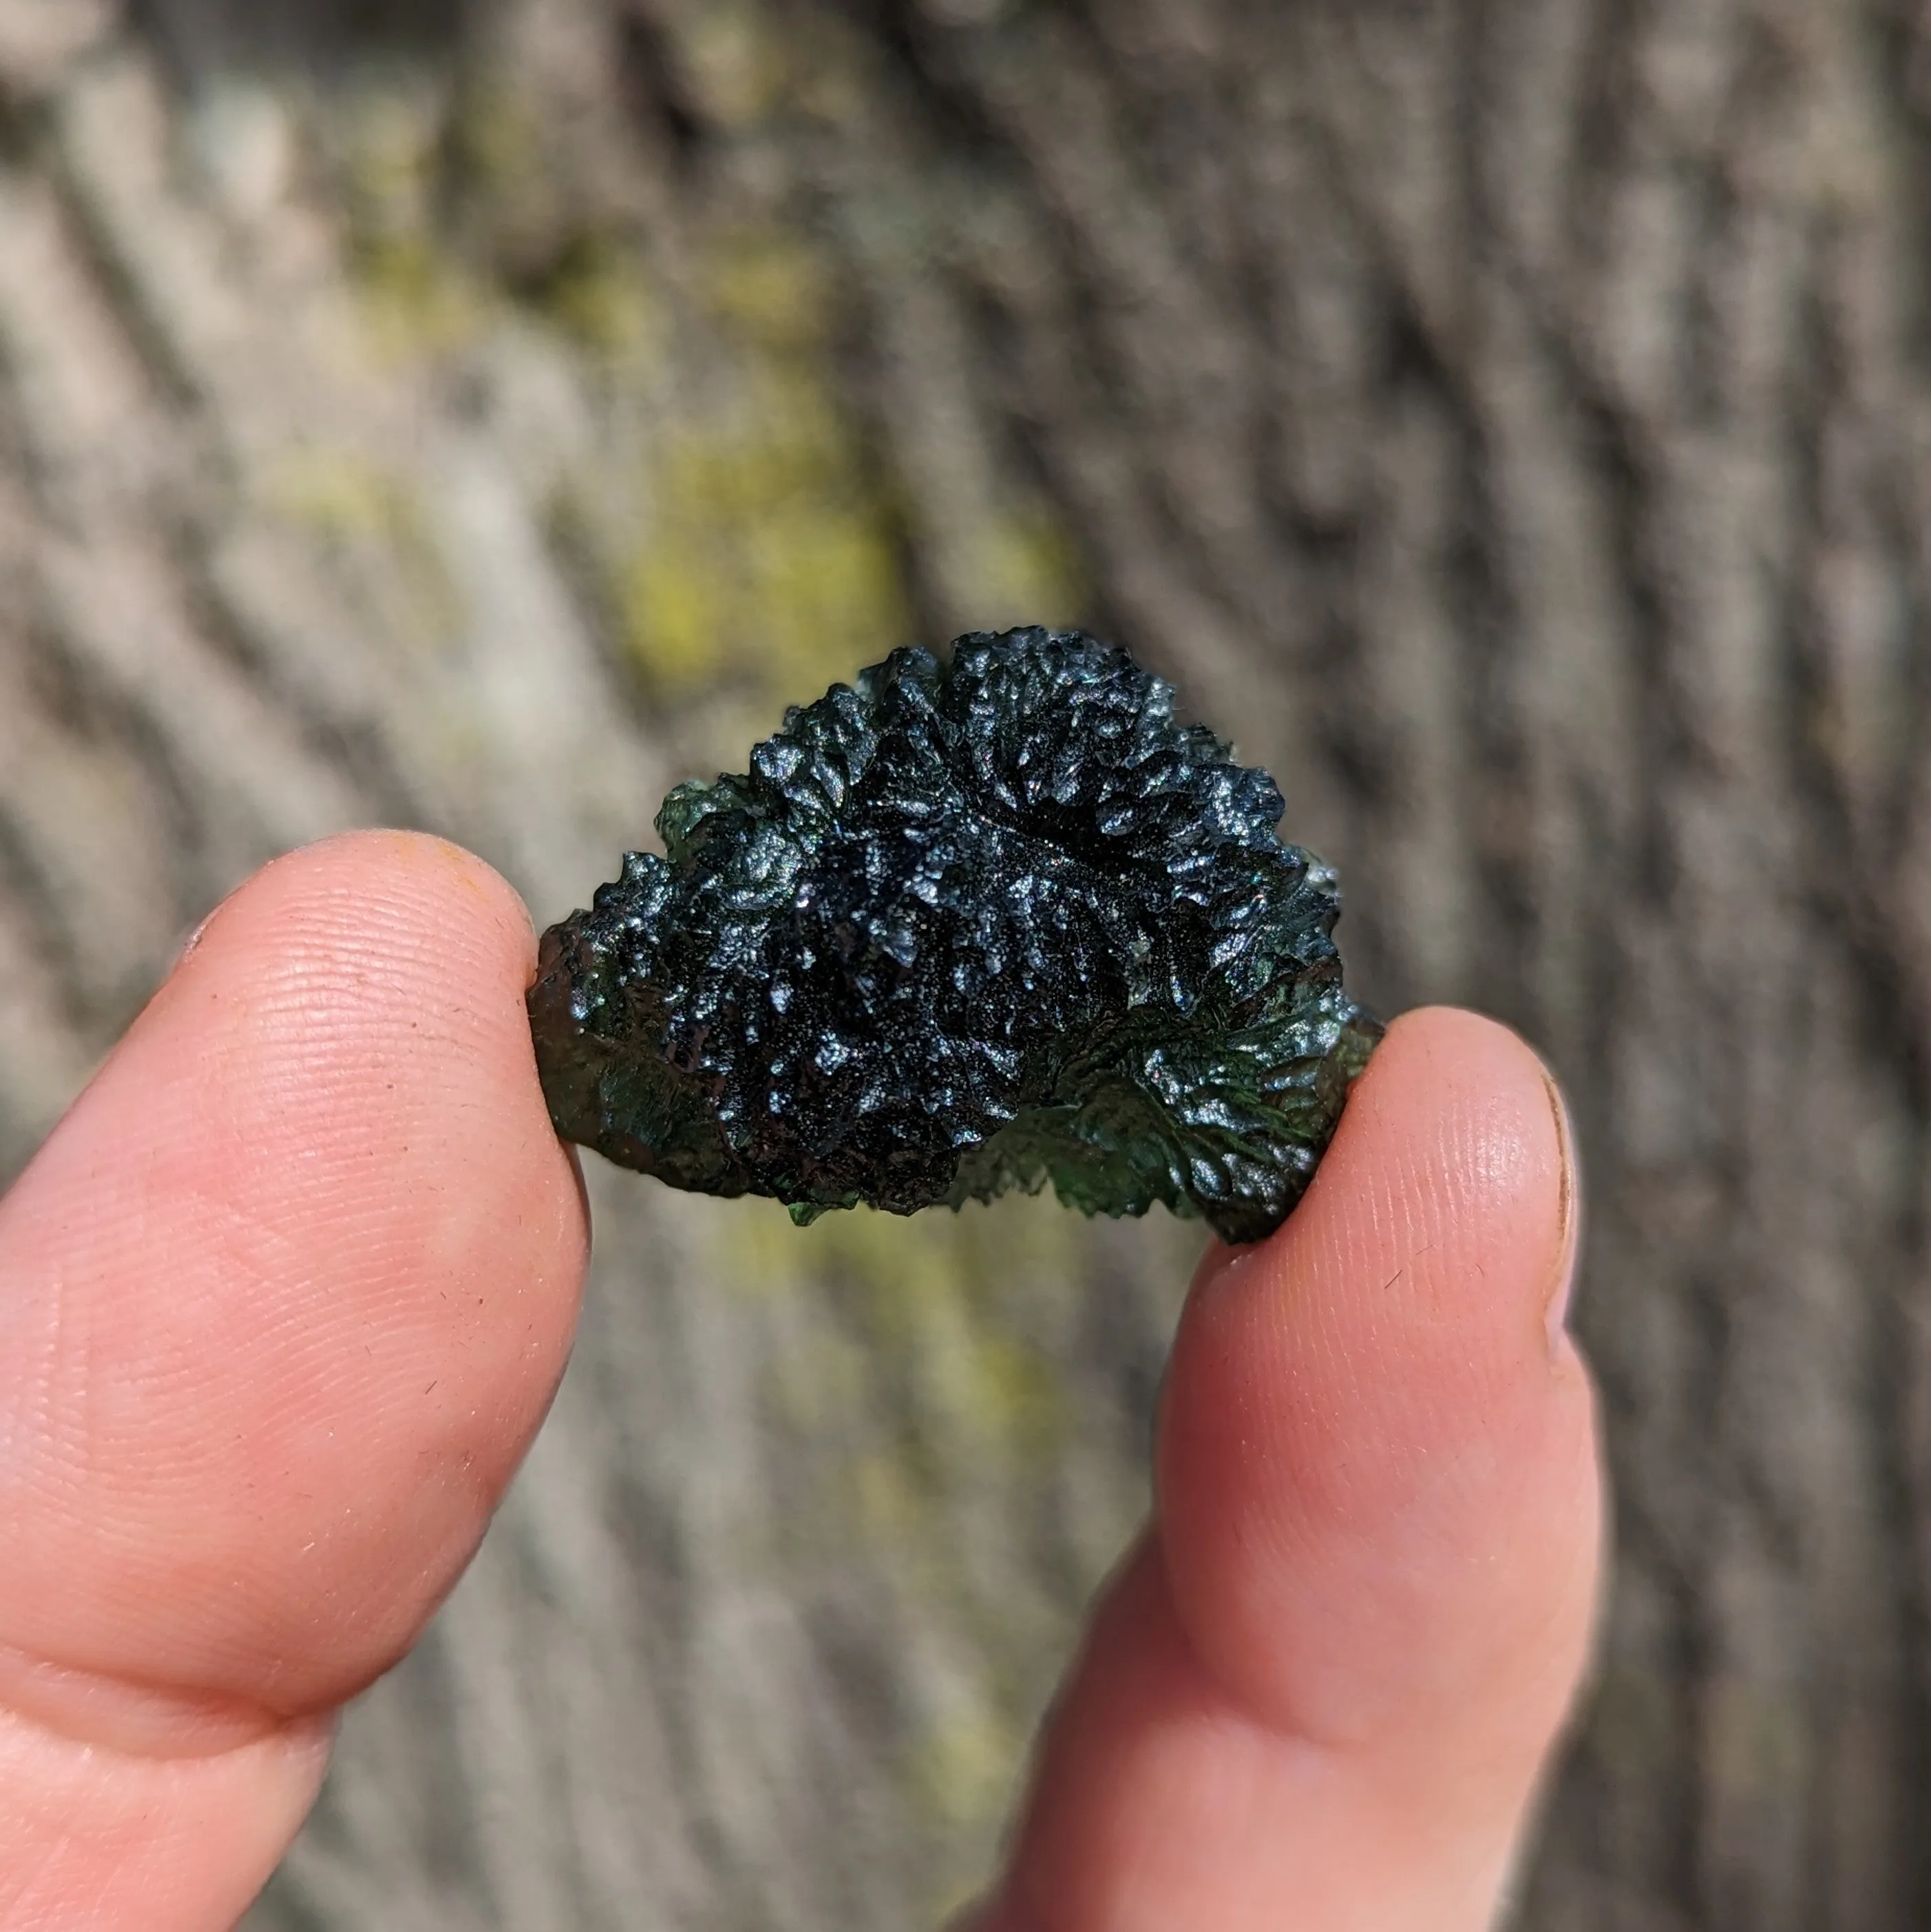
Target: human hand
284 1298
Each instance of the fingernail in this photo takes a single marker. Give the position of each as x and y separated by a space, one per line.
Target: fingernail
1569 1214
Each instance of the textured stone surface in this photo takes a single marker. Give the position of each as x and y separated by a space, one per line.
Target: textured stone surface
963 928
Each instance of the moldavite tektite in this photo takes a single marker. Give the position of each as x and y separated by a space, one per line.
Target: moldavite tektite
963 927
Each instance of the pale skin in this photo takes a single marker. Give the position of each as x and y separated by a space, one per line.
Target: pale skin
284 1298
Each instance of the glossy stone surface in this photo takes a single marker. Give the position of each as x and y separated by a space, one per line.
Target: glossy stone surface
963 927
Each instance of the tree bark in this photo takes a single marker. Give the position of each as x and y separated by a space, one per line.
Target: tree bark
1514 416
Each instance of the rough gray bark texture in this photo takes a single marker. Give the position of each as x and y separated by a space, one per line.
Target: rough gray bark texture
1513 416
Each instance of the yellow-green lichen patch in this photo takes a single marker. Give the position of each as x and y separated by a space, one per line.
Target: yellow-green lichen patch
497 136
734 62
597 293
1023 570
337 491
962 1774
418 294
771 289
356 508
769 561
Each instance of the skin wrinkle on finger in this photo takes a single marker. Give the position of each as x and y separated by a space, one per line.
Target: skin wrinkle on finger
133 1720
1159 1786
170 1845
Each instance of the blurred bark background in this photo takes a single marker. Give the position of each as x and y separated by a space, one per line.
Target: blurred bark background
1514 416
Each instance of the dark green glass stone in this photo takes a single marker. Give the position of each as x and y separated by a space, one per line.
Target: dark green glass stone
965 925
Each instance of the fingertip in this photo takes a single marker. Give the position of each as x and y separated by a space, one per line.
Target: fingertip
1362 1419
296 1279
436 883
1455 1137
